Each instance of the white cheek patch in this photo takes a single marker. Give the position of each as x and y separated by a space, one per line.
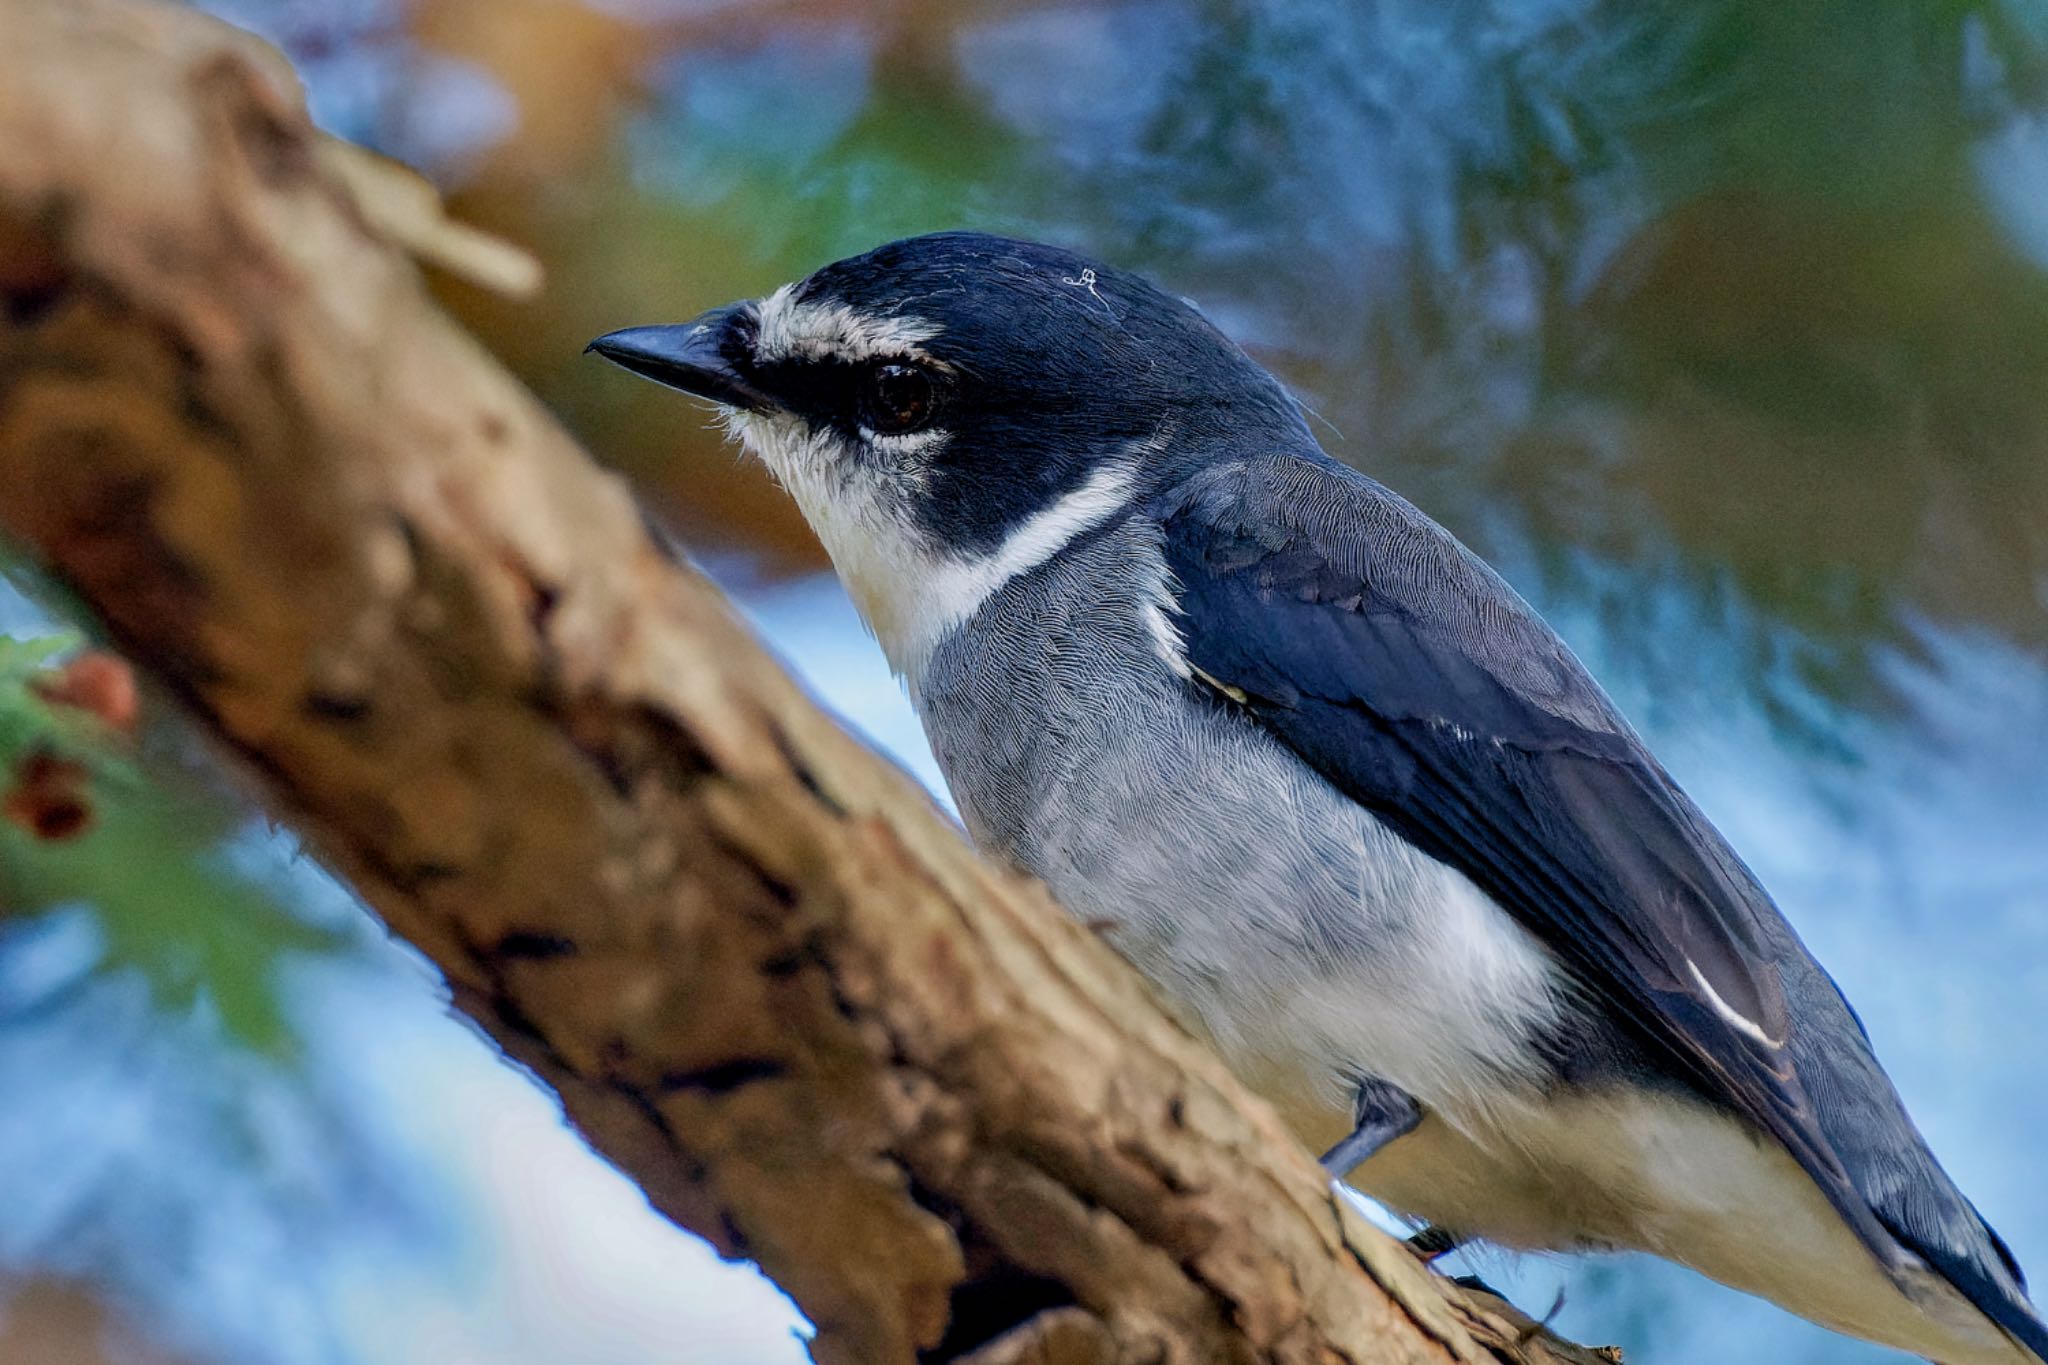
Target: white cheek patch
859 510
910 590
809 331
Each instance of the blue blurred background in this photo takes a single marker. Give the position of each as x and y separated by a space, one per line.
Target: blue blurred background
1721 326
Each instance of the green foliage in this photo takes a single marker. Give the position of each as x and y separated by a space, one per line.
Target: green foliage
25 719
205 934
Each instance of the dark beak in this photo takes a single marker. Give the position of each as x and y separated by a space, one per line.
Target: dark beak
702 356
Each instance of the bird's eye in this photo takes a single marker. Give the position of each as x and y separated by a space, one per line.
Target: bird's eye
896 398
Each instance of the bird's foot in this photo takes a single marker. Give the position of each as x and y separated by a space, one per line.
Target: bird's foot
1526 1328
1475 1283
1433 1242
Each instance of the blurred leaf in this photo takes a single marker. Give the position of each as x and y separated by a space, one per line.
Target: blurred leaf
203 933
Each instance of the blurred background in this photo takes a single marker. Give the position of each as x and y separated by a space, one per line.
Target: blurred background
1720 326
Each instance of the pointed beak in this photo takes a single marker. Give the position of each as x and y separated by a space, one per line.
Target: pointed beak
703 357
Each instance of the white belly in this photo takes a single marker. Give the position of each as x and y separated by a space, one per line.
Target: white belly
1443 1004
1670 1177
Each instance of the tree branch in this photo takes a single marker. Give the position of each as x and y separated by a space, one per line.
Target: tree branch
766 978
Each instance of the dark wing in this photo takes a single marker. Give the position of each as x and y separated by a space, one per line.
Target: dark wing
1416 681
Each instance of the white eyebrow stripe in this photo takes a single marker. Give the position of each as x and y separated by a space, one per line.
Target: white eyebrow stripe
1741 1023
790 328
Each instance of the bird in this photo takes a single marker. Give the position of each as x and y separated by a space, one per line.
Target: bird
1333 786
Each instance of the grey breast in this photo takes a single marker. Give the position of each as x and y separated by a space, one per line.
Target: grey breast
1233 871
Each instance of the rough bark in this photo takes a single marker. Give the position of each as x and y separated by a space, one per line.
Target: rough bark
766 978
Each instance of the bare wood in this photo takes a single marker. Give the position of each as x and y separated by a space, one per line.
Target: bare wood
766 978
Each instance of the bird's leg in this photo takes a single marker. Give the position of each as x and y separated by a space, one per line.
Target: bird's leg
1383 1112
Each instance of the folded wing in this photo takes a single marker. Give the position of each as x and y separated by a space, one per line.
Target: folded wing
1416 681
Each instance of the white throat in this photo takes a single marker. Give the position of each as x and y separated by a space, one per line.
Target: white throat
911 592
932 598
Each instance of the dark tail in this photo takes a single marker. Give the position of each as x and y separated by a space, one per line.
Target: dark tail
1994 1284
1891 1167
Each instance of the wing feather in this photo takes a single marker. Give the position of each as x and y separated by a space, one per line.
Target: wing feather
1402 668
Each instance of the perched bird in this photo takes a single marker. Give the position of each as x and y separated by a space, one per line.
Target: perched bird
1339 791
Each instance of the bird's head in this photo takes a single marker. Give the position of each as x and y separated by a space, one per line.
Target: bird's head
952 406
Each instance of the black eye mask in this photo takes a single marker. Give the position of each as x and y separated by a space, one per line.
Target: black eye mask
886 395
